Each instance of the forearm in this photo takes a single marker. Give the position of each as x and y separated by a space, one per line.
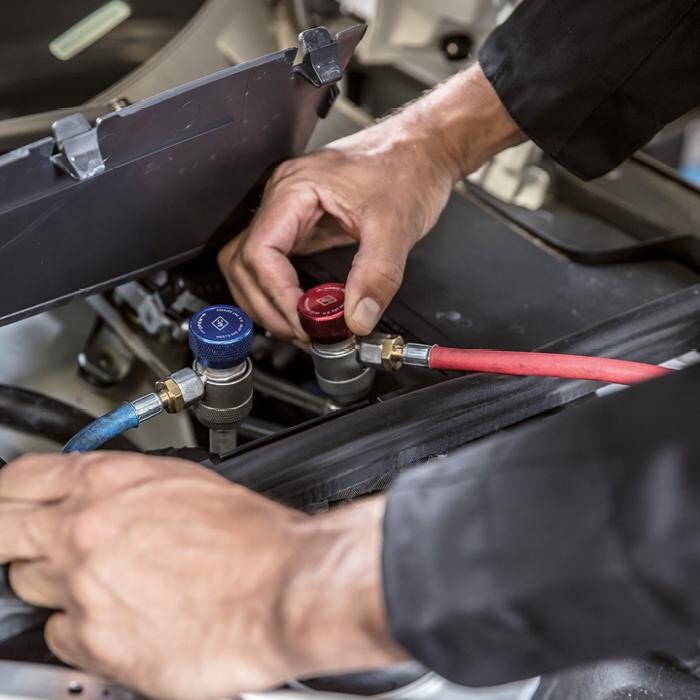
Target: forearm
463 121
450 131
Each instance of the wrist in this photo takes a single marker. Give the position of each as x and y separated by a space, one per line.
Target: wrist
332 608
464 121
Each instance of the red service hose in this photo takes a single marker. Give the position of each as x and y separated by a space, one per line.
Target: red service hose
599 369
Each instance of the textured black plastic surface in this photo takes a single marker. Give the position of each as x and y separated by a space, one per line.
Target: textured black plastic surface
176 165
476 281
620 680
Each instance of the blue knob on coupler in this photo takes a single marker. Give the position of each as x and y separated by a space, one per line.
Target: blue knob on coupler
221 336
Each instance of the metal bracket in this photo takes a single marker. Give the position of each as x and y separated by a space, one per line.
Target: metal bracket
319 64
79 150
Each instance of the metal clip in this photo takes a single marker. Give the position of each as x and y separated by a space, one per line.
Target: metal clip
79 151
319 64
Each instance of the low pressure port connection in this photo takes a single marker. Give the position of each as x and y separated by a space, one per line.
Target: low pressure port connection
221 338
176 393
219 387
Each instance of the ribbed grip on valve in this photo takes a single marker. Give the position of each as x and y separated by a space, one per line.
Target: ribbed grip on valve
221 336
322 313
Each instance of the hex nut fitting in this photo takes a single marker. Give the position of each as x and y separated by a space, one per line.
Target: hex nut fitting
382 350
392 352
170 395
180 390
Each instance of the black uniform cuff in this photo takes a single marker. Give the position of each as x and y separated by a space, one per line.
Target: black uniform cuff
592 82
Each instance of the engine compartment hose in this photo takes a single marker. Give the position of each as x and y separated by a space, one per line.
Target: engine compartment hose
540 364
103 429
34 413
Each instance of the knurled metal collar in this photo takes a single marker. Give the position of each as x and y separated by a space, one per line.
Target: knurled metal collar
322 313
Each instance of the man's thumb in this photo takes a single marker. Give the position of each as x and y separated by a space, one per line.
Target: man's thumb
373 281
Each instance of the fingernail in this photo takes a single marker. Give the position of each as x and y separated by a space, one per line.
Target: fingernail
366 315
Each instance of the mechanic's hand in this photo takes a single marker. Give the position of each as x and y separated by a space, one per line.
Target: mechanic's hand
383 187
179 584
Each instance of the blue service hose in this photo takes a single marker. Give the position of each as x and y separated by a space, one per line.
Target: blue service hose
103 429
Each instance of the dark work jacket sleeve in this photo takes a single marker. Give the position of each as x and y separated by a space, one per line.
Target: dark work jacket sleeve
591 81
572 540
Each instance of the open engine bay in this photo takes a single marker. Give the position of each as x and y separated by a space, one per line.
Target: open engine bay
170 159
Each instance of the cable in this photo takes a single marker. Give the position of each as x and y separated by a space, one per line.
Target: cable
277 388
103 429
37 414
600 369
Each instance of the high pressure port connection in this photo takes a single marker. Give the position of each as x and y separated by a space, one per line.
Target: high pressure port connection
339 372
345 364
218 387
391 352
